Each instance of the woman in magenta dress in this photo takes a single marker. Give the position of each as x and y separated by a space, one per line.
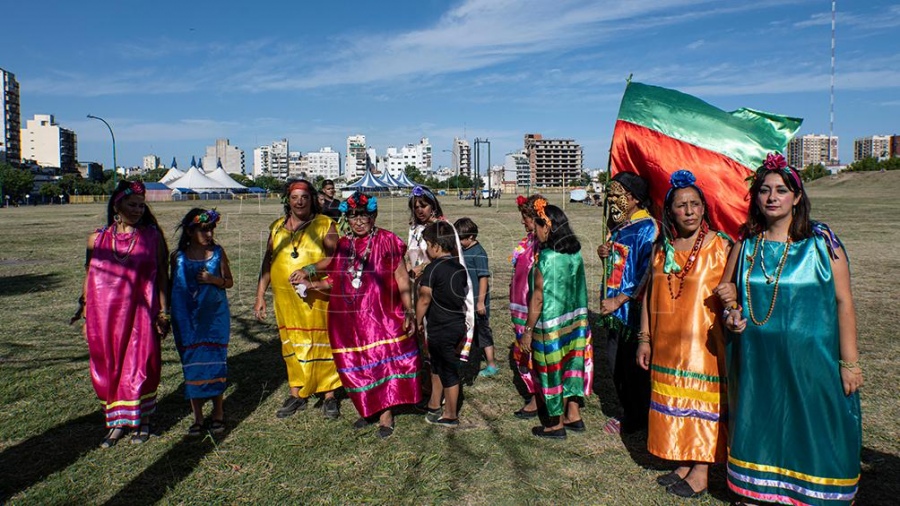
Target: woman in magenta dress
125 296
522 260
370 319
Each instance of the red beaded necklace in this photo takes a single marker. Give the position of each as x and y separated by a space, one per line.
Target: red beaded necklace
121 258
689 265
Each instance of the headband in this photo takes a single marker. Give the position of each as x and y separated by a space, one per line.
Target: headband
210 217
540 206
421 191
359 202
133 188
775 162
682 179
299 185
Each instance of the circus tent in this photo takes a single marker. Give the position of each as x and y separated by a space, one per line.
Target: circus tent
388 180
222 177
368 182
171 175
403 181
194 180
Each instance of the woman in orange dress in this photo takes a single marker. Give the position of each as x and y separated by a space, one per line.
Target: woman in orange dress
681 341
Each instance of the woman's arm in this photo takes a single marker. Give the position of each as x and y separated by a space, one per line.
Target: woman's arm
405 288
162 286
727 293
851 373
643 336
265 276
535 307
329 245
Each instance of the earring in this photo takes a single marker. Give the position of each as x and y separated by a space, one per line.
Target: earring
794 211
117 218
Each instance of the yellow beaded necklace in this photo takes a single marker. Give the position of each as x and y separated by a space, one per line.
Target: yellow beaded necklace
752 259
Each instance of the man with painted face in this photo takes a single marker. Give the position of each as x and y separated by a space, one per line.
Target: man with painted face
627 252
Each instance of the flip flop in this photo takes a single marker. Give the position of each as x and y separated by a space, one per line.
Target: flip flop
613 426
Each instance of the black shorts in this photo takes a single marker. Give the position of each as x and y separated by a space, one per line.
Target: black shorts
484 336
444 360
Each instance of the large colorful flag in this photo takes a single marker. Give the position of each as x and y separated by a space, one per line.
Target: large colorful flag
659 131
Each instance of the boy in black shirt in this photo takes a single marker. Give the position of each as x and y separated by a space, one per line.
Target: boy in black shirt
442 300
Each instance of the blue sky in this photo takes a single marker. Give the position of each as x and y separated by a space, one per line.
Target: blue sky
171 77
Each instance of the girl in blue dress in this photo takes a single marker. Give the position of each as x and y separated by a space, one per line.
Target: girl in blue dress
201 319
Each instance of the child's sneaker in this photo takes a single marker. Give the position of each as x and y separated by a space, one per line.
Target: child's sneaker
443 422
489 371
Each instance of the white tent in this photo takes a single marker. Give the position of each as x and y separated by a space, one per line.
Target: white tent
368 182
171 175
388 180
403 181
197 181
222 177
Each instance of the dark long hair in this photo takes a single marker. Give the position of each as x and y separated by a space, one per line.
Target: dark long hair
428 197
561 239
669 229
185 226
801 227
315 208
117 195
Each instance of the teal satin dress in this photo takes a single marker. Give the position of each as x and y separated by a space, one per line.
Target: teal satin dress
795 438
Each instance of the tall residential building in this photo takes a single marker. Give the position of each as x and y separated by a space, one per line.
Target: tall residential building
518 168
232 157
297 165
811 149
48 144
552 162
326 163
895 146
462 158
876 146
417 155
355 161
10 122
272 160
151 162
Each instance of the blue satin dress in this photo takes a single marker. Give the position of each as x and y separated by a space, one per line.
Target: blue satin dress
201 324
795 438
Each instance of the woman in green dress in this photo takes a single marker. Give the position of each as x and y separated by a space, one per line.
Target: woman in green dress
792 359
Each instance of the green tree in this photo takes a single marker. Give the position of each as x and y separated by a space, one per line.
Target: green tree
813 172
414 174
270 183
15 182
50 191
242 179
868 164
154 175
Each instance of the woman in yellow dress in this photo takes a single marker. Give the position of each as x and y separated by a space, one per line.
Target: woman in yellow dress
299 241
681 341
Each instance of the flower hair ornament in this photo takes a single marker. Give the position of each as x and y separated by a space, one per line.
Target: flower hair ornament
540 206
775 162
681 179
521 200
133 188
210 217
359 201
421 191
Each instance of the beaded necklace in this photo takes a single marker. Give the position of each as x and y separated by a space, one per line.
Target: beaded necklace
689 265
121 258
300 228
355 269
778 270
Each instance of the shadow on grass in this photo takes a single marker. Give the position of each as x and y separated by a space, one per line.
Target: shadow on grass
255 378
28 283
878 483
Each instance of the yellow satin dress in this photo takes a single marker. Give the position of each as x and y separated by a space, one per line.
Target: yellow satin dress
688 408
302 322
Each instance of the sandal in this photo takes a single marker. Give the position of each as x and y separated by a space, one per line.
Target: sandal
109 441
613 426
217 426
195 430
142 435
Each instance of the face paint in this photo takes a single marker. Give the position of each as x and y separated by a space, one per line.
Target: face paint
619 206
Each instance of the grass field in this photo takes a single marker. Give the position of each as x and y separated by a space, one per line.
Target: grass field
50 425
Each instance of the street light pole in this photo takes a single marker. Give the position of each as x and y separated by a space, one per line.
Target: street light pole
115 165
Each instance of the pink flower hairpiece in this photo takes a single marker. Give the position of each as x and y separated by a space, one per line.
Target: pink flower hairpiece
776 161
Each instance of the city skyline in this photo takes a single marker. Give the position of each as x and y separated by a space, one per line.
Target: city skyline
172 78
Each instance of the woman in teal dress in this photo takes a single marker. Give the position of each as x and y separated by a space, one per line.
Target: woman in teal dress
793 365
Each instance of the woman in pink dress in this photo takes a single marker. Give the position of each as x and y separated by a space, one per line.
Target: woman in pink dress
125 297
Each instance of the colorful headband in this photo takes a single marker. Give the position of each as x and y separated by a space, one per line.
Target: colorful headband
776 161
681 179
133 188
358 201
540 206
299 185
421 191
210 217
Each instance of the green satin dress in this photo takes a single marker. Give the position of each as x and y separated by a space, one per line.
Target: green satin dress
795 438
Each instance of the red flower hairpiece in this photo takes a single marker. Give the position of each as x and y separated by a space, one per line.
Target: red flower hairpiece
521 200
775 161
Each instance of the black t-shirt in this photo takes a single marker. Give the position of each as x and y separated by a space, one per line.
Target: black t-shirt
447 312
330 208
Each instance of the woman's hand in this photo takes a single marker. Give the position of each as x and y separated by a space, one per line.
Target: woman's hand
734 321
206 278
643 356
525 342
727 293
608 306
852 379
297 276
162 325
604 249
259 309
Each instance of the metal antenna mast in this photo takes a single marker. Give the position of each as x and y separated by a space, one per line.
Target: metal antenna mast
831 115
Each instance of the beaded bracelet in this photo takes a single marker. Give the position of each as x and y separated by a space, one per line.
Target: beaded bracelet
849 365
310 270
643 341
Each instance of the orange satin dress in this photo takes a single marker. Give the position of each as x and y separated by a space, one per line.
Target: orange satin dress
688 408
